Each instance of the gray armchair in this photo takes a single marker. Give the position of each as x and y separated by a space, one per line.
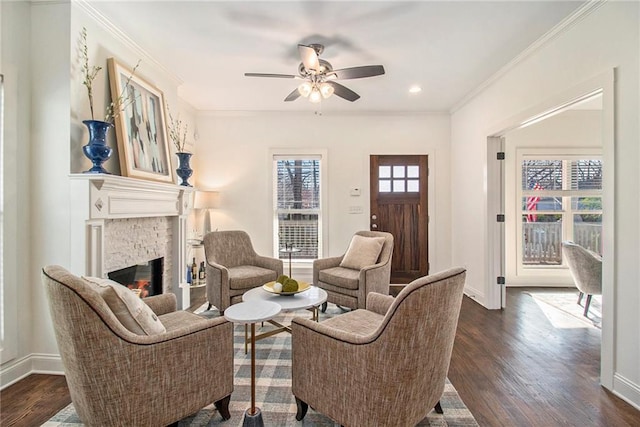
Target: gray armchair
132 364
233 267
586 270
348 286
383 366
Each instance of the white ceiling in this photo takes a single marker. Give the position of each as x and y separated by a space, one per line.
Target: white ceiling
449 48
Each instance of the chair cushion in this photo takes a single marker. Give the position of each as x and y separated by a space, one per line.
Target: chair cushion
134 314
359 322
249 276
363 251
340 276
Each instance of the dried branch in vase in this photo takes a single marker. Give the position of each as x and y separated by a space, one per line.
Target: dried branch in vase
90 73
177 133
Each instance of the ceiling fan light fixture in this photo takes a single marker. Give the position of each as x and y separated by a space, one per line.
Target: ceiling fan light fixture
326 90
305 89
315 95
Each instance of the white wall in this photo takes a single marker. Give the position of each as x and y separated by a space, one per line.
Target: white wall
232 156
40 46
606 39
15 65
572 129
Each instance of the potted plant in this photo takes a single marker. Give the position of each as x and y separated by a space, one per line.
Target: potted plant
178 135
96 149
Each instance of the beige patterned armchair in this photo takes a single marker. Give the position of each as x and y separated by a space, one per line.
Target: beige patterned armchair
233 267
349 278
384 366
129 363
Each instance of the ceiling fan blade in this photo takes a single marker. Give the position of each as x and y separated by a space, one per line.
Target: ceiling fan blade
292 96
343 92
280 76
359 72
309 58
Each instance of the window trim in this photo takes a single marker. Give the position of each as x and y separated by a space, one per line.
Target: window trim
546 154
300 153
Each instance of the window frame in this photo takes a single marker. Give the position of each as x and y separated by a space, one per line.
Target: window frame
276 154
567 212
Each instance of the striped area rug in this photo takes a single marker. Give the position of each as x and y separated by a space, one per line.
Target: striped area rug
273 388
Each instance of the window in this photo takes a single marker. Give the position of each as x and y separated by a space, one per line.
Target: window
297 202
399 179
561 199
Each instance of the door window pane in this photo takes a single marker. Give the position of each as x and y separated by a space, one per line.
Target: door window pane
398 171
413 171
384 171
398 186
532 203
587 231
541 238
586 203
384 186
413 185
542 175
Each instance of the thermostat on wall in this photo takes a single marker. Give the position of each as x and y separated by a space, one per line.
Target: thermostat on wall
354 191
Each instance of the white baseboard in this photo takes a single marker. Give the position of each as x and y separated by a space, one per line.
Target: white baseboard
626 390
475 294
32 364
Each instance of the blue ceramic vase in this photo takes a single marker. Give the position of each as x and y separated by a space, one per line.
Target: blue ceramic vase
97 149
184 171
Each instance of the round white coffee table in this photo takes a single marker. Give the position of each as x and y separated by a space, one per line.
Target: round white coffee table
251 312
310 300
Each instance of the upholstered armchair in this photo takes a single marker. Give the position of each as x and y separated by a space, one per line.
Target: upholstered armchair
586 269
133 362
233 267
385 365
365 267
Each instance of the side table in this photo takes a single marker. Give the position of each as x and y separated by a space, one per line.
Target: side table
252 312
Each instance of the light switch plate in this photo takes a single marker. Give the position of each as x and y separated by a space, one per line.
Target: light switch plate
355 209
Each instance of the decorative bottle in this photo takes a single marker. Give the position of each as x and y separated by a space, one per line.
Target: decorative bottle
201 272
194 271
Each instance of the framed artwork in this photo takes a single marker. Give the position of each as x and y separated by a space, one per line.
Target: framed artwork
141 130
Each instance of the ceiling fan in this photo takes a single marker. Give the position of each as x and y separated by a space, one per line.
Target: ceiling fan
320 77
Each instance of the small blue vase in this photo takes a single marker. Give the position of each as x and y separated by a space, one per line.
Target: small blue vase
97 149
184 171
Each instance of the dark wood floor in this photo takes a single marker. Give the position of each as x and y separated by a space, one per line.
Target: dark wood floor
512 368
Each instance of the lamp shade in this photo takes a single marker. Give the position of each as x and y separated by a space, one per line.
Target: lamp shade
206 199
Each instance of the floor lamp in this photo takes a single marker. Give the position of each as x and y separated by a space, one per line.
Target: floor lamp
206 200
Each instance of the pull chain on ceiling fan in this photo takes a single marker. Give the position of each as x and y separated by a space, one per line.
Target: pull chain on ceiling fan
320 77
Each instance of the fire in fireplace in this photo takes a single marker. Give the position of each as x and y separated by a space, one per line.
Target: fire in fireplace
147 277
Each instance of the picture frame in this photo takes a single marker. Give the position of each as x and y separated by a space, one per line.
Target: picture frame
141 131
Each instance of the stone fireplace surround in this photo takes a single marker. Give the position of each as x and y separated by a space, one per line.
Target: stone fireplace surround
118 221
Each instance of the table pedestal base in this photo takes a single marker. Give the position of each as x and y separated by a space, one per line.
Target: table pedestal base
254 420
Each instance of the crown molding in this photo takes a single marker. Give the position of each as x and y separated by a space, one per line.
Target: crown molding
119 35
275 113
562 27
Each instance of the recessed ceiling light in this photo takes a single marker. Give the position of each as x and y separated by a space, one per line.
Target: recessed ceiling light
415 89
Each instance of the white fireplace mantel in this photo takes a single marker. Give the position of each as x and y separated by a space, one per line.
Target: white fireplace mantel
96 198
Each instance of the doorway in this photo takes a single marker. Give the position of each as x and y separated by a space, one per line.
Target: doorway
398 205
600 85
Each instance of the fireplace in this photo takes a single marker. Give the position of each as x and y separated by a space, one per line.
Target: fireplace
147 277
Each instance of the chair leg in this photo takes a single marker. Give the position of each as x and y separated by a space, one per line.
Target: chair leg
438 408
323 307
586 305
302 409
222 406
580 295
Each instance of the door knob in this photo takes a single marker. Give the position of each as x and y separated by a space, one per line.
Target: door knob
374 217
374 225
